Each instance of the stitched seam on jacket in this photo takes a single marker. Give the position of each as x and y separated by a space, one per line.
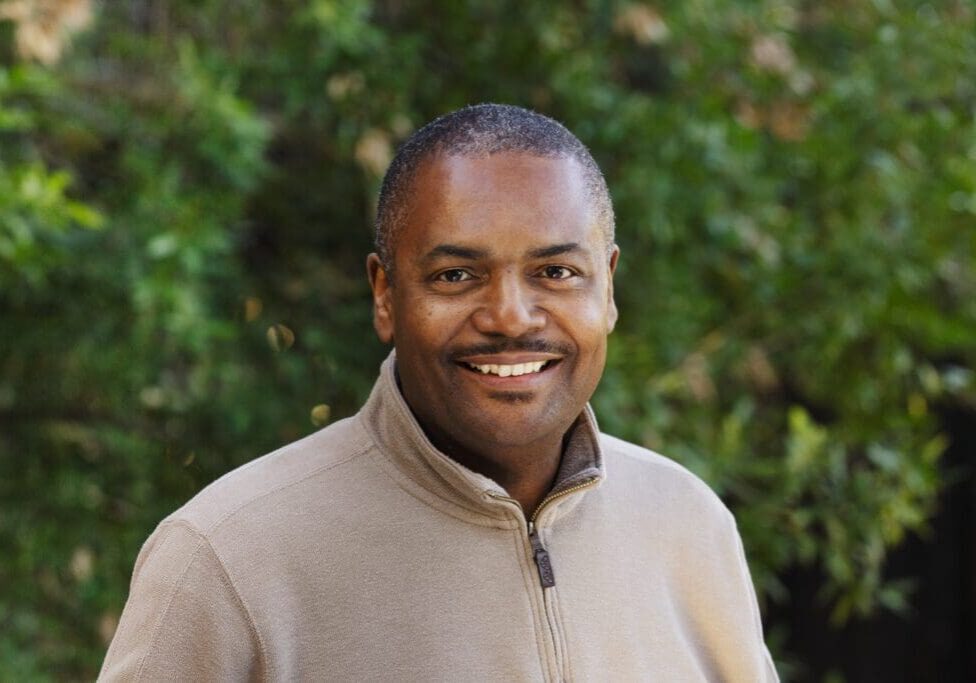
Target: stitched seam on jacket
381 455
262 652
169 604
448 463
314 473
204 540
557 615
424 443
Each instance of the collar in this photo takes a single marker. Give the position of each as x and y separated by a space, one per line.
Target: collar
452 487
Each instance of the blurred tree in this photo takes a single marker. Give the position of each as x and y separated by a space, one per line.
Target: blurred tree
185 199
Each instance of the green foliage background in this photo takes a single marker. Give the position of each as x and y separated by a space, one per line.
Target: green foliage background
795 185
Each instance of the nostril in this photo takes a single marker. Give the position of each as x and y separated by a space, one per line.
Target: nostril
509 319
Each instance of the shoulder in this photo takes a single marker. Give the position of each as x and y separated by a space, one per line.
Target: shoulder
278 480
194 584
653 480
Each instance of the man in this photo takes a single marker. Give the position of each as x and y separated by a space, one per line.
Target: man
470 522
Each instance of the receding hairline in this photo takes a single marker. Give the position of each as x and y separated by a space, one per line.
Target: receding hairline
444 153
434 163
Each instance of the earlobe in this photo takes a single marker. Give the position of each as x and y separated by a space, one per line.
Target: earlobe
379 283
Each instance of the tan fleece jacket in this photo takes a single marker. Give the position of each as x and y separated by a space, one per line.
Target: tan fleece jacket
361 553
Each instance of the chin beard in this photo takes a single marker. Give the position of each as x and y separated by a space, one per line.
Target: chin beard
512 397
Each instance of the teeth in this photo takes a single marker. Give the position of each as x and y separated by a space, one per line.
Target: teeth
509 370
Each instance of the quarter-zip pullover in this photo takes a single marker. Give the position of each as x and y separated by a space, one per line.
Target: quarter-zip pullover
363 553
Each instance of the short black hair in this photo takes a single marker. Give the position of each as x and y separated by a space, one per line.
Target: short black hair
482 130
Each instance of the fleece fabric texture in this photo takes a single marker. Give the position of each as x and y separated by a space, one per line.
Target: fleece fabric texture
361 553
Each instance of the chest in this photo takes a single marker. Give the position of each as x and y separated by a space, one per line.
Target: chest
407 602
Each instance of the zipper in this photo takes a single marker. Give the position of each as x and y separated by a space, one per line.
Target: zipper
543 564
559 494
543 561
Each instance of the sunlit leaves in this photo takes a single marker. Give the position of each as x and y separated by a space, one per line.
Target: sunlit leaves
44 27
374 151
280 337
35 212
320 414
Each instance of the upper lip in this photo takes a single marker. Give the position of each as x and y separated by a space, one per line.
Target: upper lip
508 358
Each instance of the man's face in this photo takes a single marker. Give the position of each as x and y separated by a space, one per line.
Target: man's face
501 302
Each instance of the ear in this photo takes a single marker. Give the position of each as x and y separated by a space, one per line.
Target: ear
379 282
611 304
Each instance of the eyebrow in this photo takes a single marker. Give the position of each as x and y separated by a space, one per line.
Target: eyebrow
455 251
472 254
554 250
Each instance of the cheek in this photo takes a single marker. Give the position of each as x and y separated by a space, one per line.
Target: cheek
586 319
423 322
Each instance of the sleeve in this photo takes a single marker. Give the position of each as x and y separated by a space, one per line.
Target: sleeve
768 668
184 620
718 601
735 614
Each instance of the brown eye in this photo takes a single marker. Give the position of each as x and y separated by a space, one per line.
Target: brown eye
453 275
557 272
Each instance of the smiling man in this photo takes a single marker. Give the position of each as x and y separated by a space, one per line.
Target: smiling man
470 522
499 308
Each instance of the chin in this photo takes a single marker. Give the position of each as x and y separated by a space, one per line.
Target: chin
514 427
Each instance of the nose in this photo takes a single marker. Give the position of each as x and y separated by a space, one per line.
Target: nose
509 308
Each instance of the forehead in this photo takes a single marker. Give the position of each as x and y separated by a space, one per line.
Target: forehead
510 199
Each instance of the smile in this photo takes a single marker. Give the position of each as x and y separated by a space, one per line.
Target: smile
510 370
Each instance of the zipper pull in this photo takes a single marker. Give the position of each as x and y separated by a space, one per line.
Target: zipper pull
542 561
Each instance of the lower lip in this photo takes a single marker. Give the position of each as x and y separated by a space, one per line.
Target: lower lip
527 380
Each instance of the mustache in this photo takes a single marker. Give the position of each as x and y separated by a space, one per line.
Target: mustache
509 345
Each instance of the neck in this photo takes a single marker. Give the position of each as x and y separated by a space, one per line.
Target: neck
527 471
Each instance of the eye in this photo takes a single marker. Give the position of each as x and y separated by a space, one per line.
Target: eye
453 275
557 272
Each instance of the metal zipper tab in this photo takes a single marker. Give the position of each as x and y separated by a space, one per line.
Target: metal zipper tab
542 560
